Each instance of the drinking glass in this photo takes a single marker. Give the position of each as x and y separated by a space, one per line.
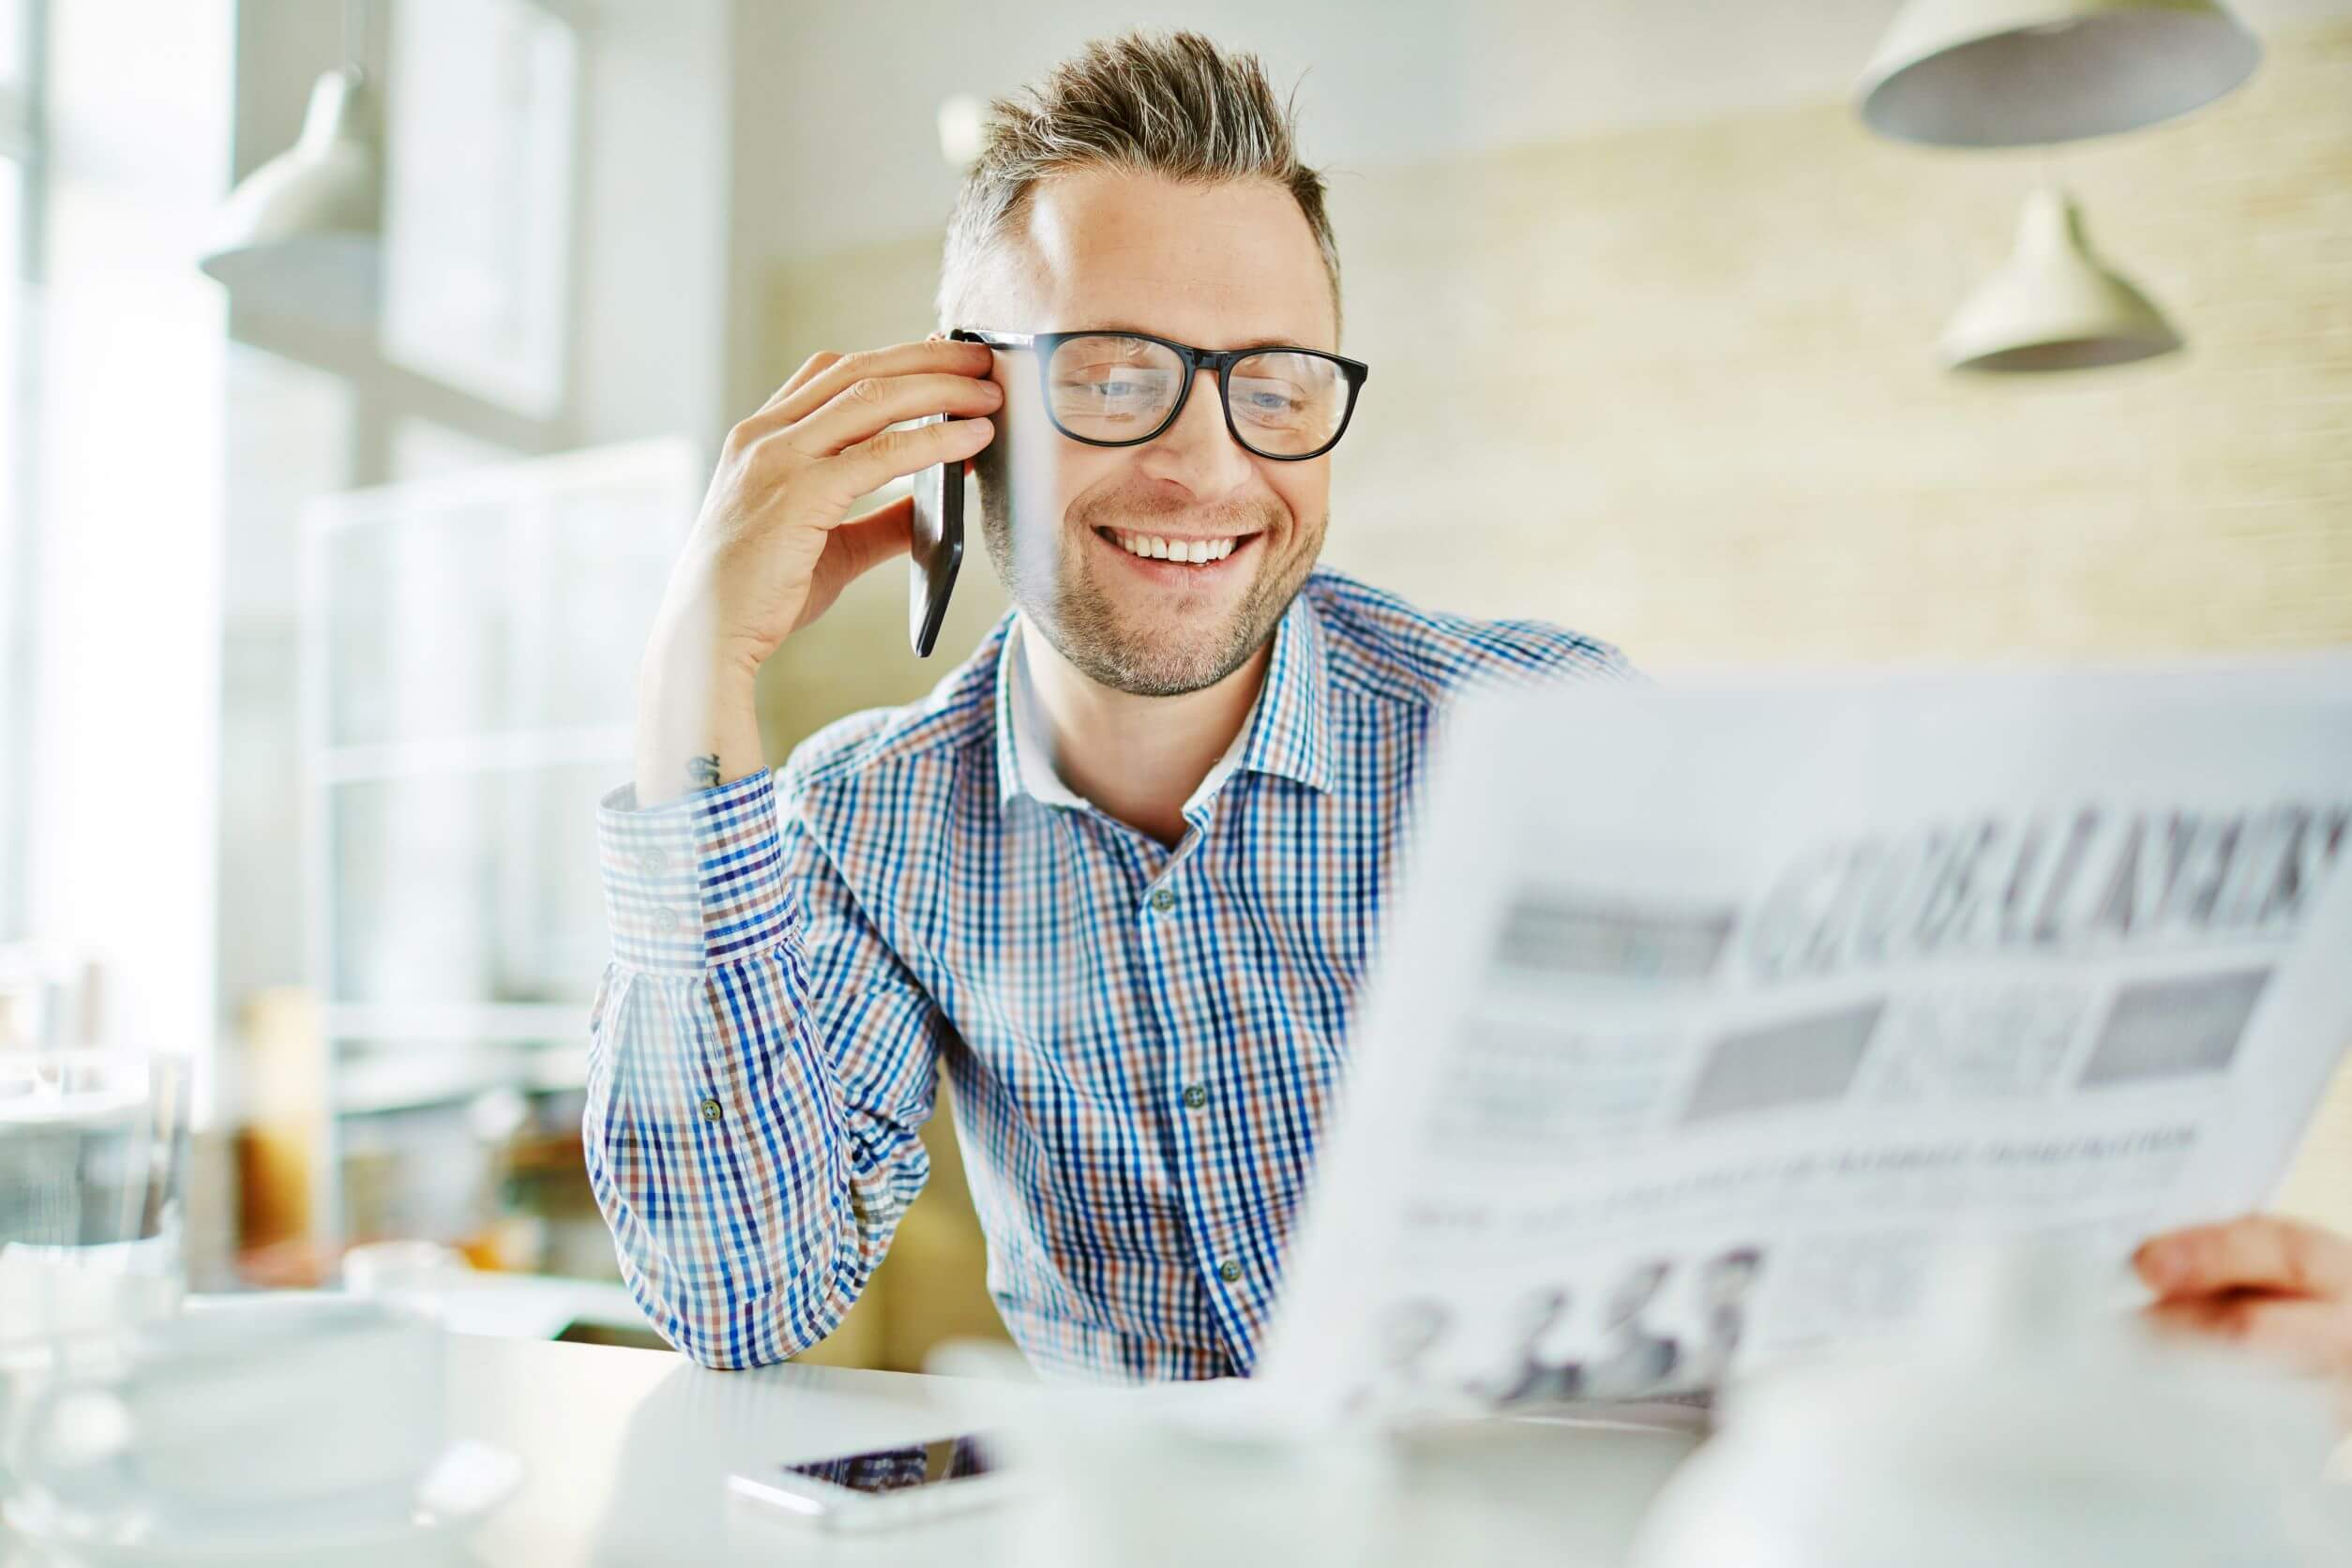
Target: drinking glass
93 1154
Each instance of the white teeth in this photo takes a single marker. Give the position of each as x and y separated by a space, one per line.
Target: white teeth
1198 552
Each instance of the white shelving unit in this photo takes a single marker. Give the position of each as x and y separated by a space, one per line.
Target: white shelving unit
470 646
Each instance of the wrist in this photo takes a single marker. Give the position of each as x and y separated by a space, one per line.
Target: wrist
683 689
688 663
697 722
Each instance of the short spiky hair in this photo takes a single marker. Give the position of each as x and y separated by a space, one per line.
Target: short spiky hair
1172 104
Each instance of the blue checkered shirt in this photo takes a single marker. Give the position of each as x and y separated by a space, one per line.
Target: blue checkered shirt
1143 1041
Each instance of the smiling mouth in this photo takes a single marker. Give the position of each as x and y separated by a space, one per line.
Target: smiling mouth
1194 553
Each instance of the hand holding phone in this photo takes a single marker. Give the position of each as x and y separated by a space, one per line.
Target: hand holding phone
775 544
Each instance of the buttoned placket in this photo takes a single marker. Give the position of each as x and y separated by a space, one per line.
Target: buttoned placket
1171 901
1169 898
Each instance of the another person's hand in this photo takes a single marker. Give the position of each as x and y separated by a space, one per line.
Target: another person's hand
776 544
2276 1286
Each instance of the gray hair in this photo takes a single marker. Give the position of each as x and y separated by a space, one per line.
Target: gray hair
1171 104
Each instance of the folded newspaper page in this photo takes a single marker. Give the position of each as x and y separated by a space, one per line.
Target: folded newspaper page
1713 1018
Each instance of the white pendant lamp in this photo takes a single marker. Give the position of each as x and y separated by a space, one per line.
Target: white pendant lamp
2054 305
2014 74
300 234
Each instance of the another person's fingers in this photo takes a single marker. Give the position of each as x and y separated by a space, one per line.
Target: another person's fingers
2313 1335
2260 1252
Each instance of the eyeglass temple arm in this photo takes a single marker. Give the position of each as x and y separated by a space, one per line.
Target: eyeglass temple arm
994 340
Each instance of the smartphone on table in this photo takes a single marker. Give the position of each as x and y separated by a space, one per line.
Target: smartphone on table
883 1489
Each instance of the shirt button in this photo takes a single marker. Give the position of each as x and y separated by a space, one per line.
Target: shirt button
712 1110
653 863
665 920
1229 1272
1196 1095
1163 900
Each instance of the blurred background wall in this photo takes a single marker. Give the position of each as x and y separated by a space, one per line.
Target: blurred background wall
1651 318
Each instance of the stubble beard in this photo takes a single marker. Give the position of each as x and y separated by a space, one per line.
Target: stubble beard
1079 618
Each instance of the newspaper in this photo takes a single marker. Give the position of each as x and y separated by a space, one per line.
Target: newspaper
1711 1018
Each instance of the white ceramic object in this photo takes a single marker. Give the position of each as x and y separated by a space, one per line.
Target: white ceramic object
272 1404
2054 304
2032 1427
423 1524
2013 73
304 225
414 1274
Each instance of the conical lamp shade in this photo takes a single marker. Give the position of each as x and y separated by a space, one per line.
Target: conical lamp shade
2019 74
299 233
2053 306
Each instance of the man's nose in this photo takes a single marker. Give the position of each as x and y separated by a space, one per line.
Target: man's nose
1197 451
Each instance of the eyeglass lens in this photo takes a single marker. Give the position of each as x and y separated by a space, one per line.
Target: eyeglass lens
1108 387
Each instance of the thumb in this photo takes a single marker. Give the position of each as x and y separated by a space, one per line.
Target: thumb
881 534
855 548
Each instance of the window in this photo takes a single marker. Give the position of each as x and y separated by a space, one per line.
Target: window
20 148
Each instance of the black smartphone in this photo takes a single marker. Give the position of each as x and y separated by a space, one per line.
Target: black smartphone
885 1487
938 549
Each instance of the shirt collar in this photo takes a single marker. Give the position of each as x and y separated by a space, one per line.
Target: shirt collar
1288 733
1024 751
1289 730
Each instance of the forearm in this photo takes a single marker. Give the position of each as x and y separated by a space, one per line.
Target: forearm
749 1193
697 722
723 1171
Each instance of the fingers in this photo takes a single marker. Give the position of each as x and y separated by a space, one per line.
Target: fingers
800 378
866 407
893 454
814 385
2260 1252
2315 1335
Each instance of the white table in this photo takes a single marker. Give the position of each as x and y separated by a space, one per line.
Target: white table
629 1452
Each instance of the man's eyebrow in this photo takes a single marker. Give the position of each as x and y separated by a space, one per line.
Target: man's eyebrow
1253 343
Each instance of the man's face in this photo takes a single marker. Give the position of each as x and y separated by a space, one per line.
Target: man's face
1216 266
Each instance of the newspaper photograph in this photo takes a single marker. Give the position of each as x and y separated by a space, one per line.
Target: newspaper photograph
1711 1018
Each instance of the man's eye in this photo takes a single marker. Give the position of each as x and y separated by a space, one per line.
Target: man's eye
1109 389
1266 401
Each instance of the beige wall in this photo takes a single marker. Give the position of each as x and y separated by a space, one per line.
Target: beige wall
1675 386
1722 434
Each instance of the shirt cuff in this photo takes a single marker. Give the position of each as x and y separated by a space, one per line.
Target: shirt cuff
693 882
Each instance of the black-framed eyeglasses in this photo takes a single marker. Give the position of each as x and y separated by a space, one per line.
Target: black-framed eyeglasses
1125 388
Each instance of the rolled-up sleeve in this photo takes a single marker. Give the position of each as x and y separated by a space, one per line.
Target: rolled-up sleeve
760 1067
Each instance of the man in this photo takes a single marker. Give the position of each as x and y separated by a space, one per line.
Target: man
1119 876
